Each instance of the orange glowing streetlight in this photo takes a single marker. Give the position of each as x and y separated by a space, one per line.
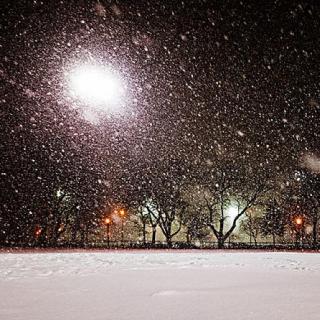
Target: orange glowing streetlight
122 214
298 221
37 231
108 222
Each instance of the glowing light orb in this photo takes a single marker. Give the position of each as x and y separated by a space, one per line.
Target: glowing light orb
232 212
97 87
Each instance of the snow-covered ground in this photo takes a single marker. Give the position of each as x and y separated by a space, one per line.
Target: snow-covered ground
102 285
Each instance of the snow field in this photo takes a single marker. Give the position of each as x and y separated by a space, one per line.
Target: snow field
103 285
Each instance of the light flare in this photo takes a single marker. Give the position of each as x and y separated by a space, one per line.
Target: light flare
97 89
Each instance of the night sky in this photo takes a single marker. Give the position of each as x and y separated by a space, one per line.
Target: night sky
206 81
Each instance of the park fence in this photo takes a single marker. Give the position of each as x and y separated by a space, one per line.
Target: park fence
174 245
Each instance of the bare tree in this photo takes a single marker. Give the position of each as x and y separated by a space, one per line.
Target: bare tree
148 214
163 197
251 226
167 214
274 221
144 219
194 222
227 184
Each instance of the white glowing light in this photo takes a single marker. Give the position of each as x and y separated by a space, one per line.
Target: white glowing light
98 87
232 212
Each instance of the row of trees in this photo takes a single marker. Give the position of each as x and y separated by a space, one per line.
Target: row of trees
199 201
259 210
175 199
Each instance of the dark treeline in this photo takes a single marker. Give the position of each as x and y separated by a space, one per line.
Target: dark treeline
53 203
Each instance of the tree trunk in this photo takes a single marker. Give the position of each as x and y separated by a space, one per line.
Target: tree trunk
314 232
221 242
274 240
169 241
83 236
55 233
255 240
54 240
144 233
154 232
188 237
74 232
75 228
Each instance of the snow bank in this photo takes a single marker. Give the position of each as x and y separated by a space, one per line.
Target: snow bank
159 285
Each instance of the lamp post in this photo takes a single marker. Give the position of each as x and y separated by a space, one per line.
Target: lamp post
37 233
298 222
122 214
108 222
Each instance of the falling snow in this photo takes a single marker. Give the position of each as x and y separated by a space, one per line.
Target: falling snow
194 117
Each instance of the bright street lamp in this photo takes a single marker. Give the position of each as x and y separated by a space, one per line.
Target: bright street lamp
96 89
122 213
108 222
37 231
298 222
